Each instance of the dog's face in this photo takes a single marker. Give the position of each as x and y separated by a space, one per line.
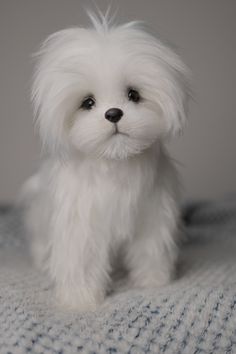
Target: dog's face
108 93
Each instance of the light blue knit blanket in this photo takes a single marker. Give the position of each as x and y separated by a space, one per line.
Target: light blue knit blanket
195 314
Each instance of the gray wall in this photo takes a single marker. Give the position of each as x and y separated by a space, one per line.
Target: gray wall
203 30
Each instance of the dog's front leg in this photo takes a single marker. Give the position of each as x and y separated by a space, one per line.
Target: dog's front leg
152 254
78 262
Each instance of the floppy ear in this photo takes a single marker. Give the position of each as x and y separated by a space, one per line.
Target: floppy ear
54 89
165 75
172 87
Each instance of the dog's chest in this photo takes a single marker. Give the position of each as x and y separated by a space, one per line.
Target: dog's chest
111 196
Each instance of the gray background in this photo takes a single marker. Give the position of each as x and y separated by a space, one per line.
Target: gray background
204 32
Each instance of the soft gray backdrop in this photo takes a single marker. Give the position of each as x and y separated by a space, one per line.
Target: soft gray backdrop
204 32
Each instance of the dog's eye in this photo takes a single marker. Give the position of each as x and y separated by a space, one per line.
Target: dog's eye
133 95
88 103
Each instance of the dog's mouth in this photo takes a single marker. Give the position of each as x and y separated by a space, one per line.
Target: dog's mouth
118 132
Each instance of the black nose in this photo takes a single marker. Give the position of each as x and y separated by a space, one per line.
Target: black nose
114 115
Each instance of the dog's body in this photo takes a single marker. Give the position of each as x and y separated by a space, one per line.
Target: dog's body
108 184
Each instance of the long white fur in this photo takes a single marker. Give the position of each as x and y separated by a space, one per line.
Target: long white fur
97 192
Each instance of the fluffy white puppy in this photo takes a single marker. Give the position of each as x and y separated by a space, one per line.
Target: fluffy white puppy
106 100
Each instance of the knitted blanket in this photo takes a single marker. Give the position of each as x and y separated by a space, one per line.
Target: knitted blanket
195 314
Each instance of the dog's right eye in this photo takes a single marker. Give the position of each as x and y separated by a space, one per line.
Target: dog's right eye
88 103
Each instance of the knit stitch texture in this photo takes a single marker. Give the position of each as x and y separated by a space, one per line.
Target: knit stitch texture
195 314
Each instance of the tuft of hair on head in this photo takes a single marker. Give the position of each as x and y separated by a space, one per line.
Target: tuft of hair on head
102 22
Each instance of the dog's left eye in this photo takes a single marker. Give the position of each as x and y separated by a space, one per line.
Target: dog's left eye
133 95
88 103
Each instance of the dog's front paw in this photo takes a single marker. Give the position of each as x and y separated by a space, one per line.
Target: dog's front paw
151 279
81 300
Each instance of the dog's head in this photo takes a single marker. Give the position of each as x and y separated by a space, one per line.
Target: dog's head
109 92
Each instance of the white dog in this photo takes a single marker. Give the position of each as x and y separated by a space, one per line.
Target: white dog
106 100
